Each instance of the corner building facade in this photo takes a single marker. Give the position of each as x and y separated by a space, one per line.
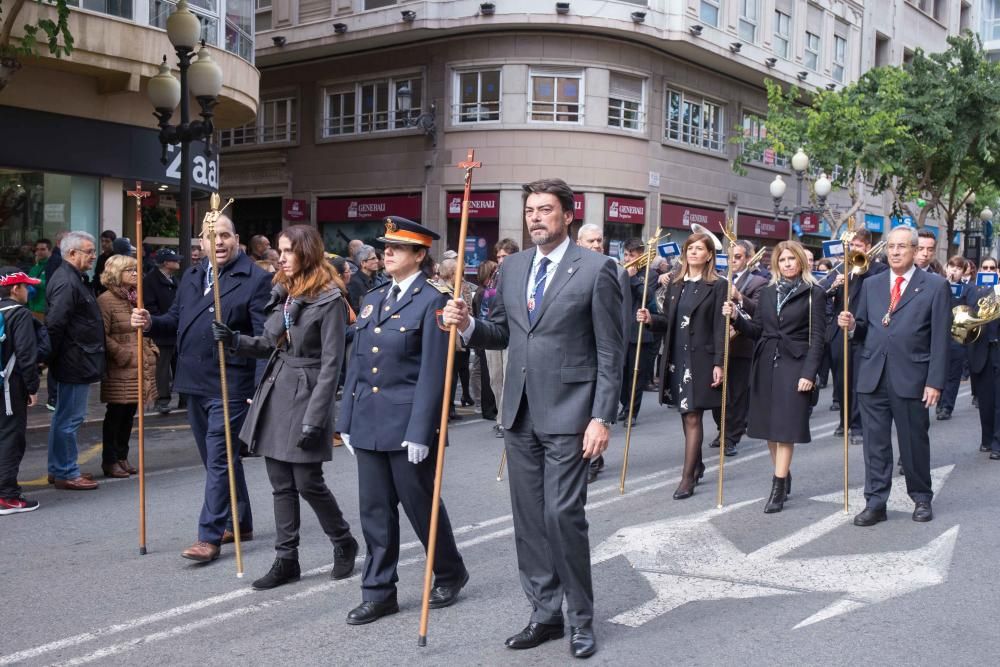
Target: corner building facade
636 105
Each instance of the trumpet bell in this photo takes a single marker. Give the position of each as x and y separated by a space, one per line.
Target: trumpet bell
858 262
700 229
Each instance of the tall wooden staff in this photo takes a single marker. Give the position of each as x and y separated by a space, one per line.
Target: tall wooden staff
210 219
139 194
845 404
648 256
729 230
469 164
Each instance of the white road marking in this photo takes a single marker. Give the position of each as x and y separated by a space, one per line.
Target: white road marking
688 560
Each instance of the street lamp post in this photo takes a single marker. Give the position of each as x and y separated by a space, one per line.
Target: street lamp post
822 187
200 77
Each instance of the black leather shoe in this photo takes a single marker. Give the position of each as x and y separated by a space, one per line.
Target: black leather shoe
994 456
835 407
283 571
731 450
622 416
922 512
598 462
683 492
343 560
370 611
445 596
839 431
984 448
581 642
869 517
535 634
714 444
944 415
592 474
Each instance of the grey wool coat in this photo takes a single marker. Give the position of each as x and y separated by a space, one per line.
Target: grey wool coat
299 386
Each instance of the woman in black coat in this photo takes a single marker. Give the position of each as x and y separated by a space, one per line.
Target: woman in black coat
788 326
691 361
290 421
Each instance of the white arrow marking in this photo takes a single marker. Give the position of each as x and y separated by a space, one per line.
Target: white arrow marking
687 560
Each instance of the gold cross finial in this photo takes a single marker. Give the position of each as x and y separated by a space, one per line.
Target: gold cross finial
470 164
729 230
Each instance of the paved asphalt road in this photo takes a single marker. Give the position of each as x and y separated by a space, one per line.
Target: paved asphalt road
676 582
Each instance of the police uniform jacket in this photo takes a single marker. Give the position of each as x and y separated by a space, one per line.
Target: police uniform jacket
244 290
396 369
300 380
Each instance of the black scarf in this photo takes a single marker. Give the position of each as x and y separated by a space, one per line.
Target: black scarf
785 290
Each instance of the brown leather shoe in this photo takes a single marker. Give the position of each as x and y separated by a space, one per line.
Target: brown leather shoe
229 538
79 484
85 475
128 467
203 552
114 470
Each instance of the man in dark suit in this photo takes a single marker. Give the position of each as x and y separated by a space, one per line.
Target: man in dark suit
984 366
903 321
244 289
159 290
745 291
558 313
591 236
834 286
957 353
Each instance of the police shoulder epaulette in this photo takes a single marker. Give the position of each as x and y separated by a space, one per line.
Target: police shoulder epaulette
440 286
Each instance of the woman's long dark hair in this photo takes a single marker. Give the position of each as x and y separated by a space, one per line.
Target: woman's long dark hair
315 273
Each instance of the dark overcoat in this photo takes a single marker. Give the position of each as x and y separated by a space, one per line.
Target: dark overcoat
244 289
704 335
300 380
786 350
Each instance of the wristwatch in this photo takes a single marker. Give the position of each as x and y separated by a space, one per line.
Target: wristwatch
603 422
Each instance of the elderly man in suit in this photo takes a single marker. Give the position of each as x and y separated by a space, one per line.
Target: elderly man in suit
244 289
558 312
745 291
903 323
591 236
833 284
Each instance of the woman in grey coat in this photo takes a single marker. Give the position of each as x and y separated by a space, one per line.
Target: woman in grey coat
290 421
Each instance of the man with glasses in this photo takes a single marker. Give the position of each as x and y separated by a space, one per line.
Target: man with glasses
364 280
902 323
984 365
76 333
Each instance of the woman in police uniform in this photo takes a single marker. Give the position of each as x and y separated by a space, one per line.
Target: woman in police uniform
389 419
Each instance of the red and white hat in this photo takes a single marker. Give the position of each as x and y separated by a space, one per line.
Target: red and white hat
17 278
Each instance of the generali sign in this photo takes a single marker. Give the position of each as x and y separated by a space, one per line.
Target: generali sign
679 216
625 209
482 206
366 209
761 227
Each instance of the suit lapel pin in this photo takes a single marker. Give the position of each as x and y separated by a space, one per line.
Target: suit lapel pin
569 271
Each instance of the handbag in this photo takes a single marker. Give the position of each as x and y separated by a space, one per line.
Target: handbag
814 394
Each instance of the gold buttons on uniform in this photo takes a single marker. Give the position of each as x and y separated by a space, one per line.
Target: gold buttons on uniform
375 370
378 329
374 390
375 349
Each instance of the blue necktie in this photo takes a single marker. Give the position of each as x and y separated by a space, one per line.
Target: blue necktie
535 303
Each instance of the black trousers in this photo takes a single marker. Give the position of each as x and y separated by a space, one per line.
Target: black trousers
117 429
487 400
879 410
165 365
957 358
987 387
386 480
737 401
13 440
646 358
548 494
461 374
837 356
288 482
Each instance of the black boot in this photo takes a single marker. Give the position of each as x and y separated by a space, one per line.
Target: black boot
777 500
788 485
283 571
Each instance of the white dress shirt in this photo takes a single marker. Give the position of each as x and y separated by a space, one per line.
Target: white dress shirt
907 277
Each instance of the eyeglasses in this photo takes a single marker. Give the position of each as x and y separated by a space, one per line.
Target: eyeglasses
89 253
989 267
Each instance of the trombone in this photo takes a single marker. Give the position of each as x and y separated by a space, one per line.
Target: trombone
858 261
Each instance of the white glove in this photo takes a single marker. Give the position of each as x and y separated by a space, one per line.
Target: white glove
347 442
415 452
